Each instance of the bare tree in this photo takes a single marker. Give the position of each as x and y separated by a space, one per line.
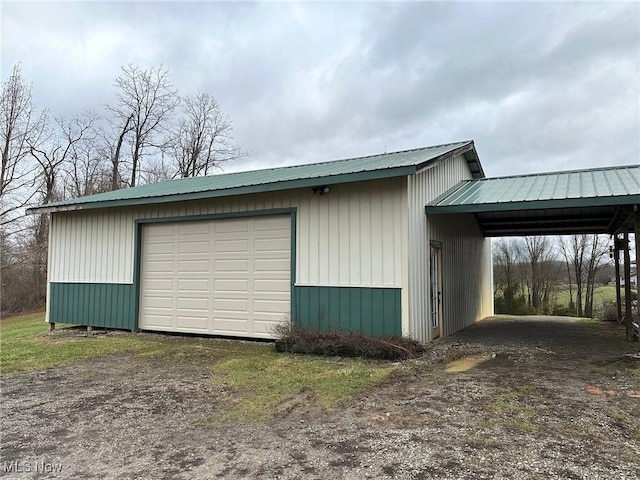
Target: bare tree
585 256
598 260
507 270
202 140
20 127
543 272
61 146
158 170
85 168
144 101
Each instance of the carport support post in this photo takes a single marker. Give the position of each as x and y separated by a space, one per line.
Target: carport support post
616 256
627 286
637 237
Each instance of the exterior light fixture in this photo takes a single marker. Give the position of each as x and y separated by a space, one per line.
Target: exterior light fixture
321 190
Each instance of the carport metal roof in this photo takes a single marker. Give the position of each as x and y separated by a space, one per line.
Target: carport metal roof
598 200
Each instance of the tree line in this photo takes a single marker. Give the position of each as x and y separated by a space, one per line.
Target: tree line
530 271
147 133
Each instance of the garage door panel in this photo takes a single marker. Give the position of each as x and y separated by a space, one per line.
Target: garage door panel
193 228
162 285
267 224
269 306
193 303
224 276
161 248
231 246
154 320
188 322
231 326
193 247
193 284
266 328
272 265
187 266
230 305
160 266
231 226
161 230
230 285
272 245
271 285
160 305
232 265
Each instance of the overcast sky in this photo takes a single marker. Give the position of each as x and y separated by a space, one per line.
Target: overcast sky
538 86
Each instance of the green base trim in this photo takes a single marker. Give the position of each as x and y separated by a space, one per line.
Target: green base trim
372 311
106 305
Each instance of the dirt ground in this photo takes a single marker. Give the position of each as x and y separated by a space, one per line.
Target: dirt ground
554 399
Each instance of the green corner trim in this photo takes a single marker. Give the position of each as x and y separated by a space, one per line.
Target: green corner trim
372 311
107 305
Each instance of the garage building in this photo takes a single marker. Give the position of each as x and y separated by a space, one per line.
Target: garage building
343 244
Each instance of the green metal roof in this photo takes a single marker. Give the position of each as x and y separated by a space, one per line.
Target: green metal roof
597 200
385 165
598 186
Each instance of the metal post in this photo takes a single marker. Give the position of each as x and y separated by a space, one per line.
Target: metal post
637 238
627 286
616 256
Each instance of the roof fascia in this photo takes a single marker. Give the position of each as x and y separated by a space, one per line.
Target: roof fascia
470 155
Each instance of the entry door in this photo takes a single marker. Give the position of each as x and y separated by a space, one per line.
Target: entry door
436 292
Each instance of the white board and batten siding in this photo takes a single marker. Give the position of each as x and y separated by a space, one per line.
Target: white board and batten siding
467 294
351 237
82 246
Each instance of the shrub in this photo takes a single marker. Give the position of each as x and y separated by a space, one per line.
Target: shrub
512 305
607 312
562 310
295 339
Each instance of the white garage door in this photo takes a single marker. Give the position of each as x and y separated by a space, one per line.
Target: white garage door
221 277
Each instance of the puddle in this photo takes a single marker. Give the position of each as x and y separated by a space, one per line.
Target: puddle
467 363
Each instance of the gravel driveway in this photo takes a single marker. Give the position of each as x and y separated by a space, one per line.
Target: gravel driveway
549 398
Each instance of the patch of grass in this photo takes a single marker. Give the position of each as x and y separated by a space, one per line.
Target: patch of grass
636 435
259 378
511 412
621 365
586 320
26 345
617 416
264 379
601 295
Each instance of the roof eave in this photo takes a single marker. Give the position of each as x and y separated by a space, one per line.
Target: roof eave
260 188
534 205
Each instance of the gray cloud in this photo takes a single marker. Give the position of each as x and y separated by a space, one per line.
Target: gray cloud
539 86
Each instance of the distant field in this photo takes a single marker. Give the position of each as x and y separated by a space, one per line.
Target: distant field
602 294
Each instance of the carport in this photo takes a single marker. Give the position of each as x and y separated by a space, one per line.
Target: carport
590 201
